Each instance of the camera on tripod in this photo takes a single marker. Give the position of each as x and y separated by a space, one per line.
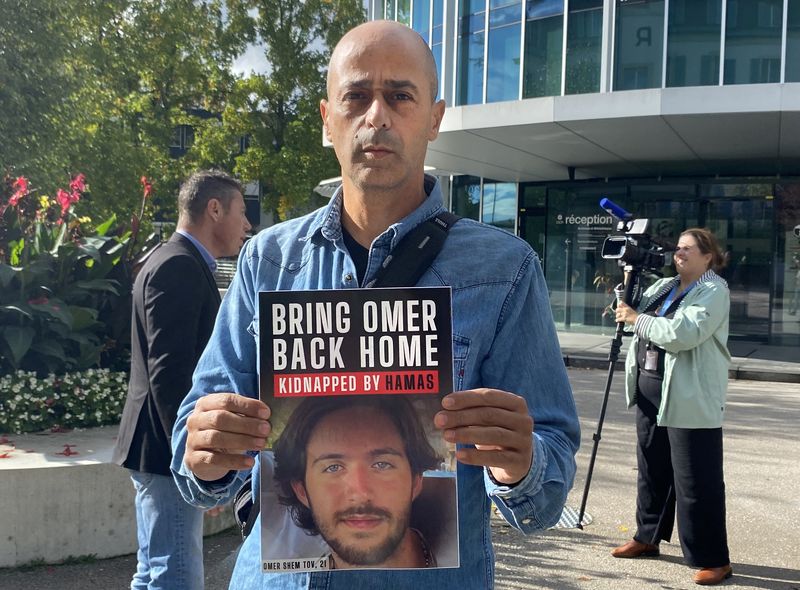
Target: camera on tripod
636 248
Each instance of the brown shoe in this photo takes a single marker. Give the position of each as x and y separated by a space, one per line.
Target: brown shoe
634 548
708 576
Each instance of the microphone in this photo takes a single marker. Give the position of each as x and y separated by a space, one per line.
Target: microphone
615 209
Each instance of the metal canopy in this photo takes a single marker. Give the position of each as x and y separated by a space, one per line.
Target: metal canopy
719 130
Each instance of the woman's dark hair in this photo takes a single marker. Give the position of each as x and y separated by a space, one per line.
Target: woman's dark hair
290 448
707 244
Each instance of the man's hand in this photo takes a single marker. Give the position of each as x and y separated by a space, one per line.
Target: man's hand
222 427
497 423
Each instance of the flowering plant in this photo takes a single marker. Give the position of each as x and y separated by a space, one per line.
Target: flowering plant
59 282
29 403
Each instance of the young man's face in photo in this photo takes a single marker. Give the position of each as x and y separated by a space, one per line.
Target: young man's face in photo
359 486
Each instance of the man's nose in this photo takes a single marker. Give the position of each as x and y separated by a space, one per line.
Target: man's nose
358 483
378 115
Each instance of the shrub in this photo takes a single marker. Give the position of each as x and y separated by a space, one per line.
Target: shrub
64 287
29 403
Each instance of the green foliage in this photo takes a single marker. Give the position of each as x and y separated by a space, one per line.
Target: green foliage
63 292
279 112
100 86
84 399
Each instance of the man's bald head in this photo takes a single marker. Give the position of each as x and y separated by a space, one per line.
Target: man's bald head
362 38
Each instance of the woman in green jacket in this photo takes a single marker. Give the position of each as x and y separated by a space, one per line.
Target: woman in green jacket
677 377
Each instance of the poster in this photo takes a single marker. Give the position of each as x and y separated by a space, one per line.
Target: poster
354 474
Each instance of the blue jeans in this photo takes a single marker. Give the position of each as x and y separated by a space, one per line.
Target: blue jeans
170 535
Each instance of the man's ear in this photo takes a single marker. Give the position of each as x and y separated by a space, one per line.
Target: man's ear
417 488
300 491
437 114
323 111
214 209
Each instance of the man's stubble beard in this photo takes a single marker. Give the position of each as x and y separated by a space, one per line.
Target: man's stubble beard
370 556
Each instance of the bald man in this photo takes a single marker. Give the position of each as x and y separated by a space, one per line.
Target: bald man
513 414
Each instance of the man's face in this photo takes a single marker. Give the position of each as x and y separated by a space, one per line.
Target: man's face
230 229
379 114
358 485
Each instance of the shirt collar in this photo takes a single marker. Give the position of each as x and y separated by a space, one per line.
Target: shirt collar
209 259
329 223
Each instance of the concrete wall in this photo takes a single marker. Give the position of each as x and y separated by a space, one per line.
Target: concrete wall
51 513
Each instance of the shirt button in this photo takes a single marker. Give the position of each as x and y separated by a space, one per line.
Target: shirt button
526 521
348 277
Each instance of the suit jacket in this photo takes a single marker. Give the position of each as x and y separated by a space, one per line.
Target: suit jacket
175 303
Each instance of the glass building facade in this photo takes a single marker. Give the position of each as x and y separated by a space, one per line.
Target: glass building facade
515 49
492 51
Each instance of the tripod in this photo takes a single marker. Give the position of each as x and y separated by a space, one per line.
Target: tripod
631 282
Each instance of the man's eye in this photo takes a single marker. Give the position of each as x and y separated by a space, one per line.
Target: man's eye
382 465
352 96
335 468
401 96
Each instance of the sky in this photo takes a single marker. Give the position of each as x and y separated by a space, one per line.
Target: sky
251 61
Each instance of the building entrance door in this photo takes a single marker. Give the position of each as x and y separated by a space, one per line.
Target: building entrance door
743 224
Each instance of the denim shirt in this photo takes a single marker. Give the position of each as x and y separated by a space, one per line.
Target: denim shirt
503 338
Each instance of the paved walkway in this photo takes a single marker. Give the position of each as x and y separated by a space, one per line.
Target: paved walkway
750 360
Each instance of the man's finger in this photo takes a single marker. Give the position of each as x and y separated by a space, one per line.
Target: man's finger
226 421
502 458
235 403
484 397
487 437
201 462
214 441
484 416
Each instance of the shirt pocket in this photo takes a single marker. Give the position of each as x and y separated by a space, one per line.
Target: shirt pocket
460 355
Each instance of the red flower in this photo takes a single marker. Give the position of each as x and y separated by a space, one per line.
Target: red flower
38 301
147 186
64 199
20 187
78 184
21 184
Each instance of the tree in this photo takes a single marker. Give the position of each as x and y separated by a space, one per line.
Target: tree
278 112
35 40
99 86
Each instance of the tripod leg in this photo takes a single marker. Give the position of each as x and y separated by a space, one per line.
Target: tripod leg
631 280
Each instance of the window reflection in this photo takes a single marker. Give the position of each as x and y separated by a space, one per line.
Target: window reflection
504 32
500 204
693 42
753 41
544 31
421 18
470 52
793 42
639 44
404 11
584 45
467 196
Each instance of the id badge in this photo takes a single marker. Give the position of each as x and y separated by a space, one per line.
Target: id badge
651 360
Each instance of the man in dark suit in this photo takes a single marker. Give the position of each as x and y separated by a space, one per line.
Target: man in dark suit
175 303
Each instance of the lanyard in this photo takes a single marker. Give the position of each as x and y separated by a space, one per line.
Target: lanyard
662 310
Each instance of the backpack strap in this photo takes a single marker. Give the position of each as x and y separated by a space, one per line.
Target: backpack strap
409 260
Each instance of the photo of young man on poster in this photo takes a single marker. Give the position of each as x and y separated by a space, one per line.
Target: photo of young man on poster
350 469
